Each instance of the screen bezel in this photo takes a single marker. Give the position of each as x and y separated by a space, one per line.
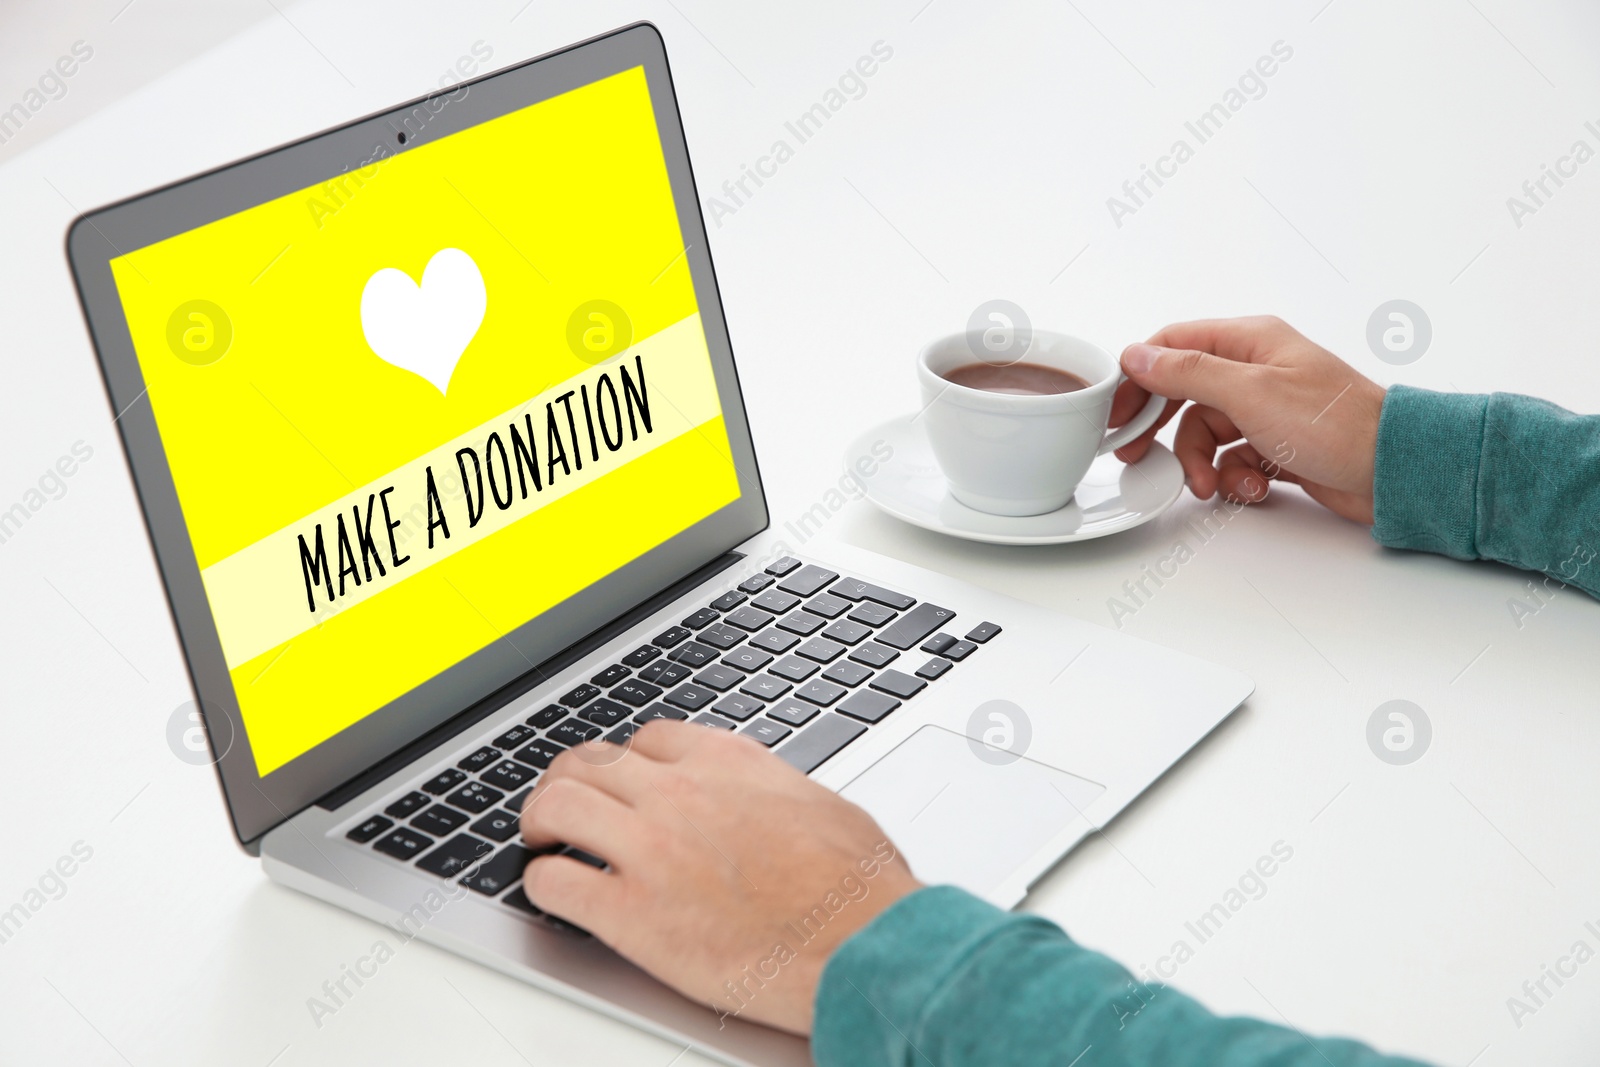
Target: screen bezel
258 803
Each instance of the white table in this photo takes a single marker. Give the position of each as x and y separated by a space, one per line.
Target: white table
977 164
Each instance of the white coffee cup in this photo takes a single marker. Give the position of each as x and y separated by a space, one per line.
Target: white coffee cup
1011 454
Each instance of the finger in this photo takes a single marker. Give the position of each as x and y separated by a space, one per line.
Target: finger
1128 402
1190 374
667 740
1244 340
1243 476
574 891
1201 431
571 812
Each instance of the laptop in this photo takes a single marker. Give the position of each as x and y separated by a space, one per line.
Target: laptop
437 431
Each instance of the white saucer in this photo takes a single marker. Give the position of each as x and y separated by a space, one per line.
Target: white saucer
1113 497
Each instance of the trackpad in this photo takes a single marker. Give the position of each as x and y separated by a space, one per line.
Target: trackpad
965 814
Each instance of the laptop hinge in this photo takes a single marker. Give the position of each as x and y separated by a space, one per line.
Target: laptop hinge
540 675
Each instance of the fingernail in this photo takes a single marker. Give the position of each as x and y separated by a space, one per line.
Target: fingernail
1138 359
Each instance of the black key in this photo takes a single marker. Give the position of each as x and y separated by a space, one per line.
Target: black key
438 820
813 746
546 717
802 622
673 636
444 781
497 826
783 566
794 712
736 707
938 643
914 625
872 614
934 668
633 692
827 605
873 654
755 583
665 674
521 735
748 659
719 678
519 900
514 805
611 676
407 805
819 692
572 732
501 872
716 722
538 753
983 631
475 798
508 774
868 706
584 857
622 734
778 641
578 698
846 673
721 636
700 619
659 711
765 687
748 618
855 589
694 654
479 759
898 683
767 732
807 580
794 668
775 601
374 826
403 843
641 655
960 650
821 649
455 855
728 601
847 631
691 697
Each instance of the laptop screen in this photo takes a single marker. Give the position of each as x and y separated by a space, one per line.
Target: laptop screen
409 409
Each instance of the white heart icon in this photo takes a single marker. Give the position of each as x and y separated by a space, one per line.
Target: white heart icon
425 328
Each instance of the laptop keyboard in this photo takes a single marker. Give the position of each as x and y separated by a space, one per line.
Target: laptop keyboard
796 657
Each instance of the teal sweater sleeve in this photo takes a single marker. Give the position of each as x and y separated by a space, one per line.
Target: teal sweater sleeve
1500 477
942 979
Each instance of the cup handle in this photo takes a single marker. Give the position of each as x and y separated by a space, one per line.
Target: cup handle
1115 439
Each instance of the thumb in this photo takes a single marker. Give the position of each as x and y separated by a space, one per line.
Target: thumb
1186 374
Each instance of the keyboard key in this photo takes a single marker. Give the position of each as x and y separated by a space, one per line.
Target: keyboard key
508 774
802 622
827 605
821 649
573 733
873 654
719 678
444 781
438 820
775 601
479 759
701 619
794 712
584 857
519 900
728 601
721 637
611 676
545 718
748 659
755 583
665 674
640 656
871 614
960 650
855 589
914 625
716 722
407 805
934 668
578 698
794 668
475 798
659 711
807 580
632 692
500 873
737 707
819 692
820 741
514 805
603 712
846 673
497 826
374 826
538 753
898 683
783 566
748 618
403 844
778 641
983 631
767 732
521 735
694 654
765 687
622 734
455 855
938 643
668 638
848 632
868 706
691 697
